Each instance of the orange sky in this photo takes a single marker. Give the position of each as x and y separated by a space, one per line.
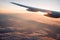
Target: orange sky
12 11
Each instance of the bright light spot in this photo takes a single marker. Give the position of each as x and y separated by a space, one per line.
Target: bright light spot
41 13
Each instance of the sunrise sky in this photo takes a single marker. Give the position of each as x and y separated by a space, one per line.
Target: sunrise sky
7 7
17 23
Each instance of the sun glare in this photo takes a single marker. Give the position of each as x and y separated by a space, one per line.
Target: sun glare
41 13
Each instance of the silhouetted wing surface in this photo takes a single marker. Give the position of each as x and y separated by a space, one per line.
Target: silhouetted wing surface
33 8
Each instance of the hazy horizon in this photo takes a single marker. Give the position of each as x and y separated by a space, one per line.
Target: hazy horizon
18 24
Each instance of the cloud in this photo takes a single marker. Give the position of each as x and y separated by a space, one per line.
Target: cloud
16 27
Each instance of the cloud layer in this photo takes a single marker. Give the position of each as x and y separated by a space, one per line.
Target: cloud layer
19 27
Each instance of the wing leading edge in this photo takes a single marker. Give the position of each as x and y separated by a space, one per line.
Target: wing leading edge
28 7
20 5
53 14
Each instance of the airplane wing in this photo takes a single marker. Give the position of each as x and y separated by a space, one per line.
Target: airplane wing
33 9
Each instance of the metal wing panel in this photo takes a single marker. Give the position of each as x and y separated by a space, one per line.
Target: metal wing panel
20 5
42 10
